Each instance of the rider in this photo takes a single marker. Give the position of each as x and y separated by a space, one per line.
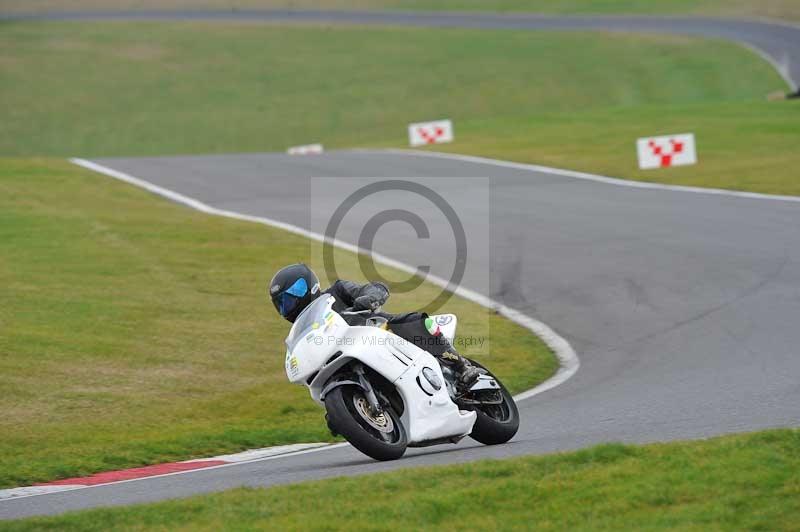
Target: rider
294 287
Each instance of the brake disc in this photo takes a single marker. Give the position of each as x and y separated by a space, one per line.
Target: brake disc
380 422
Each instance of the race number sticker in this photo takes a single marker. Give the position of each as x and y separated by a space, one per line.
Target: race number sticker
667 151
423 133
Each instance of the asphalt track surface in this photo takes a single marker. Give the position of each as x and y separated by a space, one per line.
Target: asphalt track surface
777 42
683 306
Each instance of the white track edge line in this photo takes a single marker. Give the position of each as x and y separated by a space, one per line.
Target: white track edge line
568 359
569 362
581 175
256 454
782 70
32 491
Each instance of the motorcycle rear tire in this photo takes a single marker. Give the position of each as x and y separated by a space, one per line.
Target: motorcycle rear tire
488 429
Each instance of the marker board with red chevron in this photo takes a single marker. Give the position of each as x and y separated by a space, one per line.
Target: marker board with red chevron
436 132
307 149
666 151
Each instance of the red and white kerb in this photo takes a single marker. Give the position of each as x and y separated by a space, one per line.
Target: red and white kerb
171 468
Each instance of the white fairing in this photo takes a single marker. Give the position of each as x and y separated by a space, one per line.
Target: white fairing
320 342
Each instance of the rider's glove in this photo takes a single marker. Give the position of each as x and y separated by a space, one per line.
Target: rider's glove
366 303
371 296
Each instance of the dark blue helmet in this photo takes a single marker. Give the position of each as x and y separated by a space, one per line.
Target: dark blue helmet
292 289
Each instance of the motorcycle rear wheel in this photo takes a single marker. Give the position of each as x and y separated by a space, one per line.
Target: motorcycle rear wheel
496 424
382 438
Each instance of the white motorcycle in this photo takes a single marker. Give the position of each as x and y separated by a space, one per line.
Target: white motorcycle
383 393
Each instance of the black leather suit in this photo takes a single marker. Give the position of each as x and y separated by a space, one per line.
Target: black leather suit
409 326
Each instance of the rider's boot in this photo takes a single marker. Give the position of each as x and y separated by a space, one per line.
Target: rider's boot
467 373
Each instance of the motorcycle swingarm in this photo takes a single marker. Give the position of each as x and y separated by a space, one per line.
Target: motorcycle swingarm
473 402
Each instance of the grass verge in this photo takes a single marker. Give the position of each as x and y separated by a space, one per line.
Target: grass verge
136 331
779 9
160 88
742 482
748 146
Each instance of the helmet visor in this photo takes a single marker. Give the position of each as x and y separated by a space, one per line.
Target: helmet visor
290 297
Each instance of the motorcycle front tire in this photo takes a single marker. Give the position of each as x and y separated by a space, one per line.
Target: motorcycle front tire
346 420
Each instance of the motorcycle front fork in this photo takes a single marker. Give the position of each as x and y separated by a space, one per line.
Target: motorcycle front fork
369 393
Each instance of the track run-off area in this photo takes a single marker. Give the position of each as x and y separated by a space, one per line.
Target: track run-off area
682 304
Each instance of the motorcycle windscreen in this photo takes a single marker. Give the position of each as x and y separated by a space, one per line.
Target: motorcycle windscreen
311 318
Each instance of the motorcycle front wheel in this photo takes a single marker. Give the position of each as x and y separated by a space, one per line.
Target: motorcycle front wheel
381 436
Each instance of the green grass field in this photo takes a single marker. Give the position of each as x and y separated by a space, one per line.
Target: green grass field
158 88
137 331
781 9
746 482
